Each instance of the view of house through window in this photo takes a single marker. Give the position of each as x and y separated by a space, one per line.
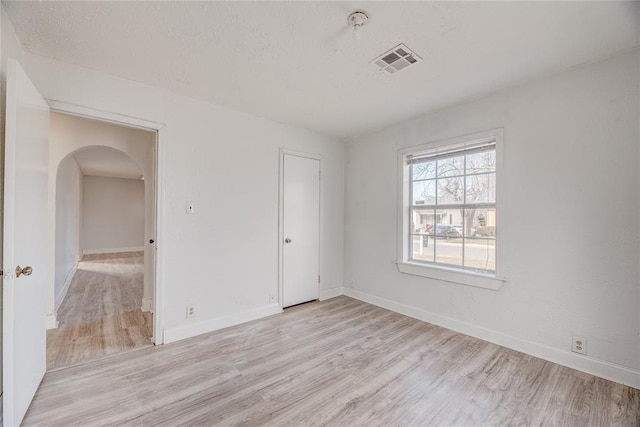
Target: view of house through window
452 211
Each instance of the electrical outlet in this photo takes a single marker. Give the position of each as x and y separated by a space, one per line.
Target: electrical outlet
272 298
191 311
579 345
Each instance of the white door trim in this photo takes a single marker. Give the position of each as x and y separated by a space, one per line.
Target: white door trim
317 157
105 116
159 128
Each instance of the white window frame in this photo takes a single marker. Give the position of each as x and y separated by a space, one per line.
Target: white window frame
442 272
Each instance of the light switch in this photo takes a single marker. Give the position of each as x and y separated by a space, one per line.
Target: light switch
190 208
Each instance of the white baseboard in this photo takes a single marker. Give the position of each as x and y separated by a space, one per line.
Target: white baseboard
112 250
188 331
331 293
600 368
65 288
147 304
52 322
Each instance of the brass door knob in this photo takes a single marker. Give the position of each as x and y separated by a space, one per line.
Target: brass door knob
26 271
287 240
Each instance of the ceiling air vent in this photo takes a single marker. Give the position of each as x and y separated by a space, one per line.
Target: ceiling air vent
396 59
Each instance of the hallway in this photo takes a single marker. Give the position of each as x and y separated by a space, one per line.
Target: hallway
101 313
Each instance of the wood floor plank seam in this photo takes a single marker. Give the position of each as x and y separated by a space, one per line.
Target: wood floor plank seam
334 363
101 314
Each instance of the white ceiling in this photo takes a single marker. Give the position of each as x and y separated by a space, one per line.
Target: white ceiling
105 161
296 62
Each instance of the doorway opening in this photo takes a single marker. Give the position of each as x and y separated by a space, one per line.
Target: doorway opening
103 227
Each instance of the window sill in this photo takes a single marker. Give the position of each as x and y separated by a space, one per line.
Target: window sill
451 275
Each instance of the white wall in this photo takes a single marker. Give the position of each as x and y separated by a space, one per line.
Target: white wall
227 162
567 276
67 231
571 225
113 214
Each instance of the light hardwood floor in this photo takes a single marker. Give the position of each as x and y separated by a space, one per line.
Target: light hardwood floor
339 362
101 313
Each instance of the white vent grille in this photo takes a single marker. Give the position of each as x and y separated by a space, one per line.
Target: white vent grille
396 59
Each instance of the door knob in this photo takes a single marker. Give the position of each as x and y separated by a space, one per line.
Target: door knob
287 240
26 271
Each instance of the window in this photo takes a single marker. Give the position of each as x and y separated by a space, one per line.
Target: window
448 226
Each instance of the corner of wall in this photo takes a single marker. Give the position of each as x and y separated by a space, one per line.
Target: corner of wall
65 288
600 368
331 293
52 321
147 304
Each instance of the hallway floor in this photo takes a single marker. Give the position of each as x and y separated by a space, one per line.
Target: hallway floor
101 313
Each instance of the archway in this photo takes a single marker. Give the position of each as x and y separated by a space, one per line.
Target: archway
108 155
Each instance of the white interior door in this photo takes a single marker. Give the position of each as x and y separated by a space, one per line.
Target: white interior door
24 243
301 229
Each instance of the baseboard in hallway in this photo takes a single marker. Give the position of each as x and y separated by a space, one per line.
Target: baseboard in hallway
112 250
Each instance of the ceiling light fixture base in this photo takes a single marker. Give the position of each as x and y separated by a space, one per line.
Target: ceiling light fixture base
357 20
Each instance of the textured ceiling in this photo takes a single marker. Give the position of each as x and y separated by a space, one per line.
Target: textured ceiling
296 62
105 161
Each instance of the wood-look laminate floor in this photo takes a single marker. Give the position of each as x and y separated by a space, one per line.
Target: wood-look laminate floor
101 313
340 362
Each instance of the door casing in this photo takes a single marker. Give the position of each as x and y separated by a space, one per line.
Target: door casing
159 128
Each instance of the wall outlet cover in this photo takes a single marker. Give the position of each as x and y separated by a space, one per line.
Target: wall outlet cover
191 311
579 344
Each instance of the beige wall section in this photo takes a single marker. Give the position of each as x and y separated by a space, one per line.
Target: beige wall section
69 134
113 214
67 232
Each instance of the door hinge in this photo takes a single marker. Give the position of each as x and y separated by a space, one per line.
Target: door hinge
1 273
318 278
319 174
